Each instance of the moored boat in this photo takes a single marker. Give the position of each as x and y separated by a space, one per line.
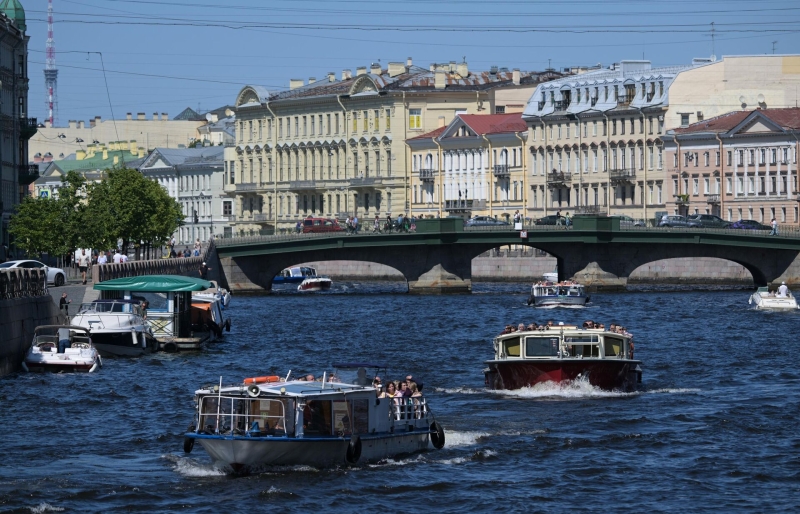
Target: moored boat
215 291
207 316
562 353
265 421
565 293
764 299
62 348
294 275
117 327
315 284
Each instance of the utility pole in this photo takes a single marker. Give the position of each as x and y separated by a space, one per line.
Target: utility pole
773 46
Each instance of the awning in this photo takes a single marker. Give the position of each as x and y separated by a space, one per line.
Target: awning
154 284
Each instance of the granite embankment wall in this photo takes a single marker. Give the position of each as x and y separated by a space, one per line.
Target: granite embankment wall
24 305
517 267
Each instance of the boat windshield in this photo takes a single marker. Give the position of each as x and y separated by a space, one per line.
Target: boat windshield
237 415
105 307
359 374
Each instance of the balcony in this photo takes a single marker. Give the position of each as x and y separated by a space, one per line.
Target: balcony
427 175
302 185
621 176
712 199
681 199
365 182
246 186
561 105
458 205
28 173
587 209
230 218
559 177
260 218
501 170
27 127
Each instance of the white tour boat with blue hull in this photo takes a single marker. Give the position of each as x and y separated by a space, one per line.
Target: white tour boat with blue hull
267 421
544 294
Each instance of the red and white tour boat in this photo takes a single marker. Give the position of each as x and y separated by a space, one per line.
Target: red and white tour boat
314 284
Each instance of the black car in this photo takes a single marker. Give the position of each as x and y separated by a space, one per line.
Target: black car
749 225
549 220
709 221
673 221
482 221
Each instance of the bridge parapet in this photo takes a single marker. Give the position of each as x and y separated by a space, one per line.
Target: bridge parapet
22 283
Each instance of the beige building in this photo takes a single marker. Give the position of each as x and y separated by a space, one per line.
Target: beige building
336 147
472 167
158 131
740 166
596 139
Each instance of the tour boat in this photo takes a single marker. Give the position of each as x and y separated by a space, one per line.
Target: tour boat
269 420
215 291
763 299
557 293
294 275
563 353
62 348
315 284
118 327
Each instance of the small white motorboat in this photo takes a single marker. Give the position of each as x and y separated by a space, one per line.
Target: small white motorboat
118 327
215 291
271 420
764 299
567 293
62 348
315 284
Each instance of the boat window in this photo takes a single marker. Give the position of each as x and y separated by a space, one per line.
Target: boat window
613 346
581 339
242 415
317 417
511 347
585 350
541 346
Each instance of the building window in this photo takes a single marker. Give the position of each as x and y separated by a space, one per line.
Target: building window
227 208
684 120
388 119
499 109
297 126
336 123
705 185
763 156
313 126
774 156
366 121
377 120
355 122
280 128
328 118
594 128
716 160
415 119
706 159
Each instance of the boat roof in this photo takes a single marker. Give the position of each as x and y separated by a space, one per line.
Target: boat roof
296 388
154 284
566 329
118 300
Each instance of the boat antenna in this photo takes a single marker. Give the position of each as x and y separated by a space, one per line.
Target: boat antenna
287 376
219 401
324 375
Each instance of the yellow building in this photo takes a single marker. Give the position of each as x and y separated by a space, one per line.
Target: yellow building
336 147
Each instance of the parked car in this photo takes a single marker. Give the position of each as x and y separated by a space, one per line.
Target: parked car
482 221
316 225
549 220
709 221
677 221
55 276
627 221
749 225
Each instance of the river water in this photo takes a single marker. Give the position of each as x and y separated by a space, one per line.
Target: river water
713 428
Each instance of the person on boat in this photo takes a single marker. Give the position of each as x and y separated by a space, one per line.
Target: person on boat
416 394
309 378
532 326
783 291
361 379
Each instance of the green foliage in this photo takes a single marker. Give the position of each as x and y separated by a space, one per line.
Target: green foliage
125 205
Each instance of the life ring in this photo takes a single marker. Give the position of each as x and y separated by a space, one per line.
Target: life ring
170 347
262 380
188 444
437 435
228 325
353 450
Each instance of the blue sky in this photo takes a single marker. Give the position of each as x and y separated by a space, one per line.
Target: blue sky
167 55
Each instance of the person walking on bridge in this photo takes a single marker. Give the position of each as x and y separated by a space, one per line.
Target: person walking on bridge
774 231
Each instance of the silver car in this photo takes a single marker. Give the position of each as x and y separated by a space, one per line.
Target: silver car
55 276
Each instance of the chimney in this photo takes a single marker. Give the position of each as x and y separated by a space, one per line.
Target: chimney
105 153
48 157
441 121
408 62
214 118
396 68
80 155
164 117
155 116
295 83
361 70
311 80
432 66
129 117
346 74
440 80
81 124
133 148
140 116
375 69
331 76
116 160
73 124
515 76
463 70
37 158
452 66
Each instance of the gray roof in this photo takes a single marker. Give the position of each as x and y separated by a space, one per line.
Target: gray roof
204 155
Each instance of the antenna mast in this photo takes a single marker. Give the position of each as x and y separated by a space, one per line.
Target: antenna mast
50 71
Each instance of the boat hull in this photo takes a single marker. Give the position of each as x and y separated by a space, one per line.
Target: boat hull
246 454
542 301
609 374
314 285
773 302
40 367
122 344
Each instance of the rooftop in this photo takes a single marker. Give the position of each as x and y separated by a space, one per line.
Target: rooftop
788 118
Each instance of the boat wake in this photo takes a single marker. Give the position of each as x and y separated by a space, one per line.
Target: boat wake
547 307
455 439
672 390
45 507
477 456
459 390
571 389
191 468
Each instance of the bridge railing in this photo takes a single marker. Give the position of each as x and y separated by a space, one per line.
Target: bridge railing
22 283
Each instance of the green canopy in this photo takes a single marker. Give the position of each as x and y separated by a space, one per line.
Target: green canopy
155 284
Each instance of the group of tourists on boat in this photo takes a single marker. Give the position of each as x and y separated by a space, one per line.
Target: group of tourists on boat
566 283
406 396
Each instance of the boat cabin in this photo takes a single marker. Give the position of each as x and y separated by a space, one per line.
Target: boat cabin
562 342
557 289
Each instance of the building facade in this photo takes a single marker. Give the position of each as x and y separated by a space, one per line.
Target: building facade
17 128
192 176
473 166
740 166
336 147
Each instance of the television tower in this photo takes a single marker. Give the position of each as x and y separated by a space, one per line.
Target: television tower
50 71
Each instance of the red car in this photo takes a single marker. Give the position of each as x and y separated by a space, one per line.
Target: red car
315 225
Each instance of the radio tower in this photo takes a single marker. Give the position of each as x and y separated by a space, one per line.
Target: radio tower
50 71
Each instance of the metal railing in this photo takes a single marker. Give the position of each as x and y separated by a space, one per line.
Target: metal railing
246 186
556 177
365 181
28 173
712 198
303 184
622 175
458 205
427 175
501 170
22 283
260 217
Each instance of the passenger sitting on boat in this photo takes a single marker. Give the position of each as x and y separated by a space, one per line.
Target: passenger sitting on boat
600 326
361 379
588 324
549 323
521 327
309 378
532 326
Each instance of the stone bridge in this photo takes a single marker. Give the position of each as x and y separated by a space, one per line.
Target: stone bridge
437 257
